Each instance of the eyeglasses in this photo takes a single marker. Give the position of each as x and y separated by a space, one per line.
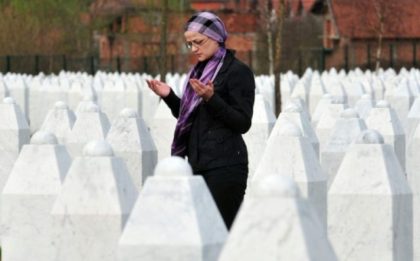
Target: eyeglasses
196 43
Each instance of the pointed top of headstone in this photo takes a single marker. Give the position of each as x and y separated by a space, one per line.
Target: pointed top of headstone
366 96
275 186
173 167
9 100
382 104
60 105
349 113
129 113
370 137
293 107
98 148
92 107
288 128
43 137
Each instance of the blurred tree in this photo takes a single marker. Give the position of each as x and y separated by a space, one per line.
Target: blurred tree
44 27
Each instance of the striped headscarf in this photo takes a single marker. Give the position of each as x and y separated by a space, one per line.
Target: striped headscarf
208 24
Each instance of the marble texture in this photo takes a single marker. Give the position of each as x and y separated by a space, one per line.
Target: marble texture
174 218
316 92
364 105
295 113
413 119
113 98
327 122
263 120
345 131
290 154
28 197
14 133
132 141
384 119
400 99
275 223
370 204
59 121
43 96
413 176
320 108
91 124
162 130
93 206
354 90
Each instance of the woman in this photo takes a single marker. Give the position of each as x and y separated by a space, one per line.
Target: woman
215 109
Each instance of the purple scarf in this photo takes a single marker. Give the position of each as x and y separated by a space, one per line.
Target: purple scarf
190 100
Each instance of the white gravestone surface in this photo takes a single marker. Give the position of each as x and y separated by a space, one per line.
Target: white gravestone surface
401 99
346 130
370 204
14 133
413 119
93 206
91 124
384 119
263 120
413 176
290 154
320 108
364 105
28 197
162 129
174 218
132 141
295 113
327 122
59 121
275 223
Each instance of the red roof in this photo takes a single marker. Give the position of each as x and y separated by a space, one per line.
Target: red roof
360 18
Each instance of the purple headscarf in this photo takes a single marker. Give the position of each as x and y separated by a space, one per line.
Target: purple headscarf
208 24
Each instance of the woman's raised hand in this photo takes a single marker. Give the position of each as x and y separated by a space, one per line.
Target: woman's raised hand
158 87
204 91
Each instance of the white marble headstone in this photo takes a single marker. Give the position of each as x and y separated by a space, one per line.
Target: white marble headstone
91 124
59 121
162 129
93 206
132 141
370 204
174 218
290 154
28 197
275 223
345 131
384 119
263 120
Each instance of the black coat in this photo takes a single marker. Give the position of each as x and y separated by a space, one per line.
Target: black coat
215 139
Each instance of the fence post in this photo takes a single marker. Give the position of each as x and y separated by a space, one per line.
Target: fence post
414 53
368 56
145 65
300 71
118 64
92 64
391 55
36 65
8 63
322 61
64 65
346 58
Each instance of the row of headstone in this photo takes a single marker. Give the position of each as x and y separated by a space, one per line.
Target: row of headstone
293 149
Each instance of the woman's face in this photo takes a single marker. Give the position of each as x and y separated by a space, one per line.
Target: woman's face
201 45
